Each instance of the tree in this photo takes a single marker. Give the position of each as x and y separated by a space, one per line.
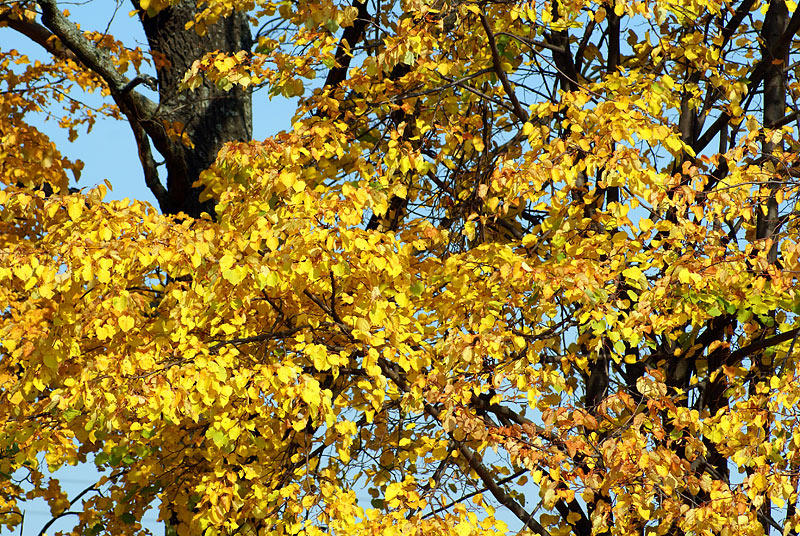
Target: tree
506 270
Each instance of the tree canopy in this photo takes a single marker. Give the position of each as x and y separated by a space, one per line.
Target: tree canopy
517 266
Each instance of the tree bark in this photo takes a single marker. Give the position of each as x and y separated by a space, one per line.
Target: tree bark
775 24
208 116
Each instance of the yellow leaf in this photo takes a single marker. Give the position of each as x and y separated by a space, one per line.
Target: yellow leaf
600 15
401 298
633 273
363 324
226 261
463 529
674 144
758 482
285 374
75 209
474 9
527 129
125 322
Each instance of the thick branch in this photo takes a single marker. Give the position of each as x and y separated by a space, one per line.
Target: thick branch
741 12
136 107
613 42
499 493
38 34
272 335
761 344
97 60
351 35
91 56
519 111
755 78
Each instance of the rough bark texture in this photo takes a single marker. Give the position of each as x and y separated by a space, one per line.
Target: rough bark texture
210 116
775 23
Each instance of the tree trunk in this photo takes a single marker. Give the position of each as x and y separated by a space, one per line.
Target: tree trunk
775 23
208 116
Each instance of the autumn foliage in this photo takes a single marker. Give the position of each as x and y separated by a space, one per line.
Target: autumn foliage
516 265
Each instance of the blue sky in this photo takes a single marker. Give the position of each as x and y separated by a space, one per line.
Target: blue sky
109 152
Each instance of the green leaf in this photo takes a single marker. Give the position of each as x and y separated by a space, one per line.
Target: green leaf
233 276
50 361
417 288
502 44
331 25
218 437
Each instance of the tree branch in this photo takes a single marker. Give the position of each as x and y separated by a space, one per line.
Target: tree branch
499 493
350 36
470 495
474 463
96 59
137 108
519 111
272 335
761 345
149 165
38 34
755 78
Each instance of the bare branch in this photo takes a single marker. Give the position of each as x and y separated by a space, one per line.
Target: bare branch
761 345
149 165
96 59
519 111
38 34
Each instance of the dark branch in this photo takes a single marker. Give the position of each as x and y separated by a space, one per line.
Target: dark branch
351 35
519 111
474 463
38 34
762 344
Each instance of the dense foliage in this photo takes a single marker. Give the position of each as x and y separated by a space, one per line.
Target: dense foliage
516 265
